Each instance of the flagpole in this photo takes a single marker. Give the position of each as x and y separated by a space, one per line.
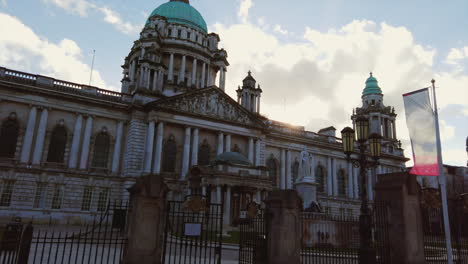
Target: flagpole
442 180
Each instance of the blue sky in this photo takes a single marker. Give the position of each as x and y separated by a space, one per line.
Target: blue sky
311 57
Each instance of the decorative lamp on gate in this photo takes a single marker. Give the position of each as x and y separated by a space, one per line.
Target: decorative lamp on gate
375 144
347 135
362 128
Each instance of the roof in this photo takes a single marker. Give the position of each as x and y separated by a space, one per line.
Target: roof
231 158
181 12
372 86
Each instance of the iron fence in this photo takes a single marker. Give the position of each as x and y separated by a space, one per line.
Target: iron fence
252 239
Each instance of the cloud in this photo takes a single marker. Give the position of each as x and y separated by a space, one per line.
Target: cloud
3 3
455 55
244 8
82 8
22 49
280 30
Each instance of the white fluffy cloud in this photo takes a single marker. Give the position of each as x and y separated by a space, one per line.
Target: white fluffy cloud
22 49
455 55
243 13
318 80
82 8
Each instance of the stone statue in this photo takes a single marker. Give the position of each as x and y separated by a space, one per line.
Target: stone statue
305 172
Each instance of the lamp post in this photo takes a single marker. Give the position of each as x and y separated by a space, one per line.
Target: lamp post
364 162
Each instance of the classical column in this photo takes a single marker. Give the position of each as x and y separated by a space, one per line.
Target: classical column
288 170
160 81
312 164
154 87
394 129
228 143
258 196
170 76
186 154
28 136
258 104
117 148
194 72
158 152
195 147
350 180
182 70
209 77
131 71
219 193
203 76
251 150
41 132
257 152
220 143
75 142
148 79
356 183
149 147
86 143
335 177
370 190
227 206
329 177
282 181
224 78
254 104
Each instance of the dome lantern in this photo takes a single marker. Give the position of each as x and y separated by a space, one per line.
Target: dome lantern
181 12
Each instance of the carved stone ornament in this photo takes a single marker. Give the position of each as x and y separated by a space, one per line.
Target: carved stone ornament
195 204
210 103
431 198
252 210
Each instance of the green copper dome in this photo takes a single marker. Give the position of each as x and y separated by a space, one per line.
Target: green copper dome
372 86
181 12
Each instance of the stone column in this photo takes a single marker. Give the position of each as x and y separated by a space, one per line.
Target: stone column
75 142
219 193
195 147
154 87
398 195
228 143
288 170
222 78
251 150
28 136
182 70
194 72
186 155
209 77
335 178
203 76
258 104
356 183
158 152
170 76
131 71
227 206
160 81
254 104
350 181
220 143
394 129
257 152
149 147
282 181
284 227
86 143
41 132
312 164
370 190
329 177
117 148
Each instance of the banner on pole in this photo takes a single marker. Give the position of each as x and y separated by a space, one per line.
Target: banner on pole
420 120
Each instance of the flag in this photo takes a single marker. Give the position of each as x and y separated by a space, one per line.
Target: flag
420 119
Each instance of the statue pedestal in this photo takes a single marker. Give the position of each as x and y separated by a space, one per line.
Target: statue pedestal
307 189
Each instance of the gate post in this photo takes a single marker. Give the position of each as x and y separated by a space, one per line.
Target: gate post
146 220
283 224
402 194
25 245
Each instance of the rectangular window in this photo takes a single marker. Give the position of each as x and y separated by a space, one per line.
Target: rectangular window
169 32
57 198
179 33
188 35
7 192
39 197
103 199
87 198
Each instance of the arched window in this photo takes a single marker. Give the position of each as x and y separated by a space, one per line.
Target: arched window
169 155
57 144
101 149
295 170
9 136
341 182
320 178
272 166
204 154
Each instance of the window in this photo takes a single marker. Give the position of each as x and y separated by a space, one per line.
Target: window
179 33
57 198
103 199
40 196
236 148
87 197
7 192
295 170
169 32
320 177
169 155
57 144
204 154
101 149
272 169
9 136
188 35
196 38
341 182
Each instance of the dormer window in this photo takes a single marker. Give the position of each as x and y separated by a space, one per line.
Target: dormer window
179 33
169 32
188 35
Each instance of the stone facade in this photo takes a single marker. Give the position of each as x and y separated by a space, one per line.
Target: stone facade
160 126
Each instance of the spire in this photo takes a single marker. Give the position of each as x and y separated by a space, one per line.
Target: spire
183 1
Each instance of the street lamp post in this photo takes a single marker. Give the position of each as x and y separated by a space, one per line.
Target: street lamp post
364 162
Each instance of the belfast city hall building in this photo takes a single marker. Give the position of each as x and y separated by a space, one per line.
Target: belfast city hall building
67 149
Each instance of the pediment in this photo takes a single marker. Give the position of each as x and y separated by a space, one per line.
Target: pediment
212 103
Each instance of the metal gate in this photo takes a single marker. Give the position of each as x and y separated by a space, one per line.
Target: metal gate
252 238
193 231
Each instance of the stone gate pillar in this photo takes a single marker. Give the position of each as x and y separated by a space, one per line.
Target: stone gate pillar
283 220
146 221
401 192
